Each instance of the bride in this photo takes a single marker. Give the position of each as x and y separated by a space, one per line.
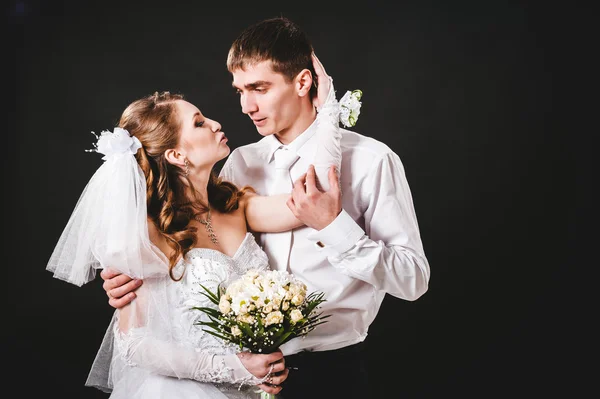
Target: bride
155 210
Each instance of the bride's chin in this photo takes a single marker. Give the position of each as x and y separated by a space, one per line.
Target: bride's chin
226 151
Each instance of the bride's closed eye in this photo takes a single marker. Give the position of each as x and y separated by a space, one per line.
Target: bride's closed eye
199 123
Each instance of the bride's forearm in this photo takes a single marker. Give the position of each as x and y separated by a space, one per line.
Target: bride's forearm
140 349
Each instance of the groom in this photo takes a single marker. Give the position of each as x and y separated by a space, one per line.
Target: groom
354 248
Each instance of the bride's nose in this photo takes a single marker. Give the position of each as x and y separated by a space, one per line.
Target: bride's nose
215 126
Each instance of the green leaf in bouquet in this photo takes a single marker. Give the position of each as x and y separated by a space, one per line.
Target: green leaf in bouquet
315 321
312 303
218 327
246 329
278 332
214 298
209 311
261 326
223 337
283 339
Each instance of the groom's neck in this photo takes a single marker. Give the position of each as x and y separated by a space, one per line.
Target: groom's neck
304 120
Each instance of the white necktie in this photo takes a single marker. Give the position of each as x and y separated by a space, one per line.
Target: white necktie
278 245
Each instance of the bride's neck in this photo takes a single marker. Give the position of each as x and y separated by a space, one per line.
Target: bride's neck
200 187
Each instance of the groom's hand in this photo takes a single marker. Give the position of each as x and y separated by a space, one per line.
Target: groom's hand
313 207
119 287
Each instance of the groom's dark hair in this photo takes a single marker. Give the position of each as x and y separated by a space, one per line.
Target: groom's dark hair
278 40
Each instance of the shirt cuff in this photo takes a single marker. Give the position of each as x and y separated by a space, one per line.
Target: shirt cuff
340 235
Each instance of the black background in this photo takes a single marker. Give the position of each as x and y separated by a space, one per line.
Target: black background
464 92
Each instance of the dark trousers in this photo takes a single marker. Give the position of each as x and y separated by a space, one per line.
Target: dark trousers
340 373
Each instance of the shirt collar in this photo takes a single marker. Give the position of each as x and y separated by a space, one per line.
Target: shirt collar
298 145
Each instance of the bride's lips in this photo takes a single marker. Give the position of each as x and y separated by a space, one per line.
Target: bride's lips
223 138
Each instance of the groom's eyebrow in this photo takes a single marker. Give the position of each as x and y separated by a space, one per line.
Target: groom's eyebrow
254 85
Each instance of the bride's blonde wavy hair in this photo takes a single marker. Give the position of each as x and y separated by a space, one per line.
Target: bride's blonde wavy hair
153 120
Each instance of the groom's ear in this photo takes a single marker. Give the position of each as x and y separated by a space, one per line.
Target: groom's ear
303 82
174 157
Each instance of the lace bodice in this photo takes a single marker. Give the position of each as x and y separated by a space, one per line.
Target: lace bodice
165 339
208 267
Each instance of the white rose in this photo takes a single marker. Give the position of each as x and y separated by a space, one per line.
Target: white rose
234 289
245 318
251 275
235 331
224 305
260 302
297 299
296 315
273 318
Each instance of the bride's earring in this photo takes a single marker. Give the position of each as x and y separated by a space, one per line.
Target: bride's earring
187 167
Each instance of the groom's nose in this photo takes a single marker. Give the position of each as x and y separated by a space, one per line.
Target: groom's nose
248 103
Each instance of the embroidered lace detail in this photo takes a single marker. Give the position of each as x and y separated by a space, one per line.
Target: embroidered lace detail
123 341
250 256
330 109
219 374
208 267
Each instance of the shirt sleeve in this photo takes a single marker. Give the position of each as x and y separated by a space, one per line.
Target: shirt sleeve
389 254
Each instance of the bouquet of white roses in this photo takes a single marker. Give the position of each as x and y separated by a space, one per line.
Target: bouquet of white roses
262 310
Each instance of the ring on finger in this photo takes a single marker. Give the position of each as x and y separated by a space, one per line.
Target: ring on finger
269 376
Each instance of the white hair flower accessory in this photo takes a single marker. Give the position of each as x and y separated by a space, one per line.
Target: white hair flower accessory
350 108
117 142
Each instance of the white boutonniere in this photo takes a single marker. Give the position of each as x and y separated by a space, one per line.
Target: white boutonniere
350 108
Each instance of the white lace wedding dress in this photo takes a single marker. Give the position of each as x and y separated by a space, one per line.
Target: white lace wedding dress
190 363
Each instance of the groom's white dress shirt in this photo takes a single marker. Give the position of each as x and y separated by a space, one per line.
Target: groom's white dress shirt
372 248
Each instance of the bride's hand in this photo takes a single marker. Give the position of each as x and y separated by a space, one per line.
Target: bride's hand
323 83
271 366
